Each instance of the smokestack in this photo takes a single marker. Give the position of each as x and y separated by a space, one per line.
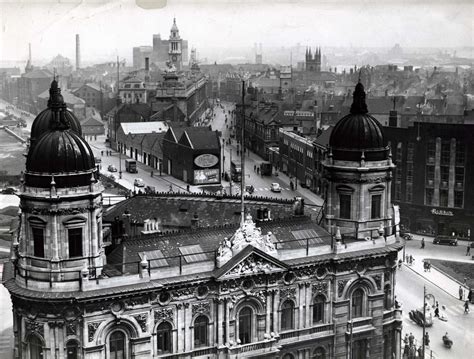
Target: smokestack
29 52
147 64
78 52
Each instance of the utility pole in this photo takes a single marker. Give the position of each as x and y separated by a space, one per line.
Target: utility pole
424 322
230 171
242 157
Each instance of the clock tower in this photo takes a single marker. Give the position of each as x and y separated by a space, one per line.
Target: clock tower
175 47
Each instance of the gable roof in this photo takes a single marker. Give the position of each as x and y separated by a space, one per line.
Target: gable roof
144 127
92 122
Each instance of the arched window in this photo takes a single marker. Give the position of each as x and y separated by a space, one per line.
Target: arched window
288 356
387 302
318 309
319 353
357 303
36 347
287 315
245 325
163 337
200 331
117 345
72 349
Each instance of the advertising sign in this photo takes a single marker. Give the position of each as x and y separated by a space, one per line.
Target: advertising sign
206 160
206 176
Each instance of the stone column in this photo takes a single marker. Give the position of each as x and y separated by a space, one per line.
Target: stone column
276 319
186 327
227 319
452 172
308 321
54 238
398 343
220 321
179 327
268 312
94 247
301 291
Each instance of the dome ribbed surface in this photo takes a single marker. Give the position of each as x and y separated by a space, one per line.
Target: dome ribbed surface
60 151
358 132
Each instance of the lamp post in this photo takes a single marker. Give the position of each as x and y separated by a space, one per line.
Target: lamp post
120 161
424 322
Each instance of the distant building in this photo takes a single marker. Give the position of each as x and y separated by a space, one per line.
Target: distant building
94 95
92 127
30 85
125 112
133 90
174 49
313 62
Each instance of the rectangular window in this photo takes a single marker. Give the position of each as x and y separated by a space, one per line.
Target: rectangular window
345 206
75 242
458 199
445 153
459 177
376 204
444 171
38 242
431 151
410 151
410 172
429 196
399 154
443 198
430 171
460 154
409 194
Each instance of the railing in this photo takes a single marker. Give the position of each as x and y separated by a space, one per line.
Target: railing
251 347
204 351
362 322
300 332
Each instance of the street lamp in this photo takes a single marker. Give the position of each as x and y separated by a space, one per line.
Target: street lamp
120 160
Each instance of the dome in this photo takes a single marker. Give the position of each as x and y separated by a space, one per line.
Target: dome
59 152
56 109
358 132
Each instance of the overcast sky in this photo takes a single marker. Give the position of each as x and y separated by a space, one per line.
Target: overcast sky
108 28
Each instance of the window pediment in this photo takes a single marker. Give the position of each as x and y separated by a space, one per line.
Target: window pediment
377 188
344 188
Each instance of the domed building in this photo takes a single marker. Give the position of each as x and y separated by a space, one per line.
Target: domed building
358 174
202 283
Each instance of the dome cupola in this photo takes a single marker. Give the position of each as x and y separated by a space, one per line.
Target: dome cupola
56 109
358 133
62 153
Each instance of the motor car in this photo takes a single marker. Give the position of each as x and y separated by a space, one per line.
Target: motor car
112 177
447 240
9 190
407 236
275 187
112 168
139 182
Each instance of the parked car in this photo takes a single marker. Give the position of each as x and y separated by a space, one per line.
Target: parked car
448 240
112 168
112 177
9 190
275 187
407 236
139 182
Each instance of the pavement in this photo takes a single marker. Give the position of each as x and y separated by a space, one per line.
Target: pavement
436 277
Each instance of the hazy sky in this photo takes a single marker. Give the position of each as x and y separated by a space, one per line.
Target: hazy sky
108 28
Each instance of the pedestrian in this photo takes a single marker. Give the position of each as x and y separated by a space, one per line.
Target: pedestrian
254 168
187 188
151 174
258 170
468 250
461 293
405 340
469 296
171 187
101 153
411 339
427 339
466 307
436 311
422 243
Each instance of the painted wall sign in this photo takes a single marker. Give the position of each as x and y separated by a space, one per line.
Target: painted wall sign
206 176
206 160
442 212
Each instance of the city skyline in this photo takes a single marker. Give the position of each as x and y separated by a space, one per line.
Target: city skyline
228 25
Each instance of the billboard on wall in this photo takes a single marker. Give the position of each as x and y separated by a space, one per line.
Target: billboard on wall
206 160
206 176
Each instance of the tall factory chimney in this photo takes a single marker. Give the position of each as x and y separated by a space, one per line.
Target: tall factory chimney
78 52
29 52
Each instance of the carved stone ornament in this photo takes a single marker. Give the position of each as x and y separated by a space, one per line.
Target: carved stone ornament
247 234
34 327
142 321
58 211
262 296
132 302
201 308
289 292
183 292
252 265
164 314
71 328
378 281
230 285
320 287
92 328
359 180
340 286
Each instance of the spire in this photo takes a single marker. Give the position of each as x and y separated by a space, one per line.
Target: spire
310 54
55 98
358 104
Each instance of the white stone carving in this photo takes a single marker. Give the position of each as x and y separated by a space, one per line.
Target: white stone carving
247 234
252 265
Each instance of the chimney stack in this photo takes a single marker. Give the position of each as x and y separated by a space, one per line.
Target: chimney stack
78 52
147 64
29 52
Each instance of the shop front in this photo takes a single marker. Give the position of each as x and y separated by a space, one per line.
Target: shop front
434 221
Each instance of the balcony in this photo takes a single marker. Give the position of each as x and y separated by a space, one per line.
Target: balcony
359 325
300 335
257 349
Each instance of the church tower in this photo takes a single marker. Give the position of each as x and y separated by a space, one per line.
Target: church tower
313 62
358 174
175 47
58 247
